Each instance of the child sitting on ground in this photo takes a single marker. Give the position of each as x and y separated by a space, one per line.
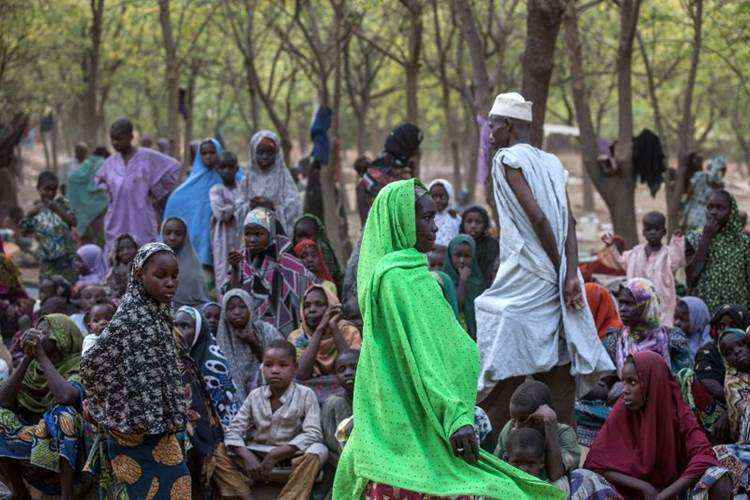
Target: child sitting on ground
654 261
311 256
282 421
120 260
531 407
526 451
51 222
96 320
322 335
337 408
89 296
225 235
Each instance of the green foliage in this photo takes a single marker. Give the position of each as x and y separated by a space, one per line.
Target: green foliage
44 48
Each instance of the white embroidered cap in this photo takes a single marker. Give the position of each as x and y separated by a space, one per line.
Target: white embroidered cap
512 105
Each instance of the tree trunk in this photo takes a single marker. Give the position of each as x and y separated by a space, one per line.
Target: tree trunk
190 118
685 137
618 192
449 134
542 26
480 84
629 12
10 135
171 76
336 227
90 123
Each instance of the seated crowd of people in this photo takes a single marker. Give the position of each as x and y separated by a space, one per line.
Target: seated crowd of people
226 275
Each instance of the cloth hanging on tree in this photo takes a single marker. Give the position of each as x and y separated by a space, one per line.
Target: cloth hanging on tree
648 160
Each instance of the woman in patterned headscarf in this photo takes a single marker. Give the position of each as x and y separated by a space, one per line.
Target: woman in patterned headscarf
41 429
718 256
273 277
134 386
640 310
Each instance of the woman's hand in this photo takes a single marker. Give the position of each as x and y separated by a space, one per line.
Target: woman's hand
464 273
464 444
234 258
30 342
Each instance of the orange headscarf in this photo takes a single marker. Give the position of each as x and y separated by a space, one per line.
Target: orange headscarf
603 308
327 352
322 273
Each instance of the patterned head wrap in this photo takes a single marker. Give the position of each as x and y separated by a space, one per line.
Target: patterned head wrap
264 218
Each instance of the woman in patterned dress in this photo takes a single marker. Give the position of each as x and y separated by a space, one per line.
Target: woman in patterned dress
41 432
133 380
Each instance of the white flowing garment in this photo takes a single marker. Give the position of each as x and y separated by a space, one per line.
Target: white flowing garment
523 327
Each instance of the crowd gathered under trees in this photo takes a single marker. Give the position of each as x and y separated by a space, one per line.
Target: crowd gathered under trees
208 322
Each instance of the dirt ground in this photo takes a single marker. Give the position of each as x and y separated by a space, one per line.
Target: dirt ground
434 167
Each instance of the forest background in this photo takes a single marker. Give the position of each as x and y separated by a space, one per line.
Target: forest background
186 69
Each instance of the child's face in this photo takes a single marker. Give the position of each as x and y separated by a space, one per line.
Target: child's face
47 191
474 225
126 251
527 461
212 314
653 230
633 394
439 196
237 313
160 277
228 173
436 260
719 209
80 266
278 368
256 239
314 306
91 295
682 317
630 311
461 257
99 317
305 230
185 325
47 289
309 258
174 234
346 369
265 154
736 351
208 154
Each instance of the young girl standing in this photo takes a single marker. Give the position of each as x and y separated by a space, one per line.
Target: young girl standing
133 382
51 223
462 267
120 261
225 235
191 288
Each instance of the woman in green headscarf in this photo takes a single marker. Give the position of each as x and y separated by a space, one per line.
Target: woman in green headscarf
463 268
416 383
87 201
41 431
718 269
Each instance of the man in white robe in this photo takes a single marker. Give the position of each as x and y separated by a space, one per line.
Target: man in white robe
534 319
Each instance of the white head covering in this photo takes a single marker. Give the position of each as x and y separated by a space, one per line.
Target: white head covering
448 189
512 105
276 184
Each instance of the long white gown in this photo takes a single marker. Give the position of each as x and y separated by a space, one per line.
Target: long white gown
523 327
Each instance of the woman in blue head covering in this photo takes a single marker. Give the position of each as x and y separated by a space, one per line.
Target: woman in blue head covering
190 201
